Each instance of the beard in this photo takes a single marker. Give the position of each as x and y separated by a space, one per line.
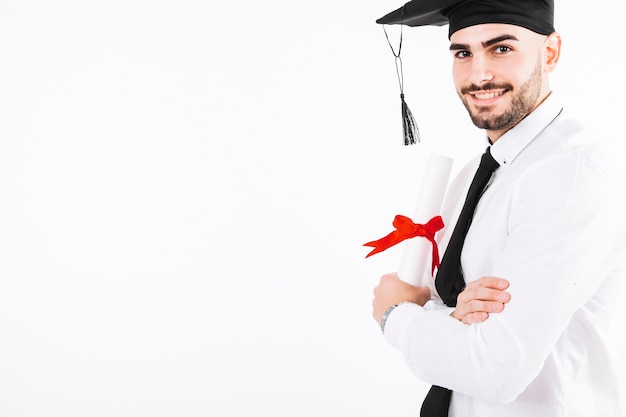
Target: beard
523 103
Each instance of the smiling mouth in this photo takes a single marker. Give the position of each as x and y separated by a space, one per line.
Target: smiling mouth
487 95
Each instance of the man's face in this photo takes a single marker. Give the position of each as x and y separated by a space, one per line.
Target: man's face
498 74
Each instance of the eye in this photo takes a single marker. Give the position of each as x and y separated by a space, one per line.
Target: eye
462 54
502 49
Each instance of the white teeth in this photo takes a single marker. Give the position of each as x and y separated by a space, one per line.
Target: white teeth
487 96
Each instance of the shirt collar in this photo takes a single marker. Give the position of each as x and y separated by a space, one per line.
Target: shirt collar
513 142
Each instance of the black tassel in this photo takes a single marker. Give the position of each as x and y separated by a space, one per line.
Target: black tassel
409 127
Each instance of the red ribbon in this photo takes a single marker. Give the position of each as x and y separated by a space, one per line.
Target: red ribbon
406 229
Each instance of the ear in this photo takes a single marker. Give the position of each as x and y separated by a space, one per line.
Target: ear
552 51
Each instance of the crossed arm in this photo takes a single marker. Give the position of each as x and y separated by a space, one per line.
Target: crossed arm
480 298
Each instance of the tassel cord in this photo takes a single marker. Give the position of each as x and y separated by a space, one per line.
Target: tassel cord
398 61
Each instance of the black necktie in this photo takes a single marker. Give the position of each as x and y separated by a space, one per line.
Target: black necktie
449 280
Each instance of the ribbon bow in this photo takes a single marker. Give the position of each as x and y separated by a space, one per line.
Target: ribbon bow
406 229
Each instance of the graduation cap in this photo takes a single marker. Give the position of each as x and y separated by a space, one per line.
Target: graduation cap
535 15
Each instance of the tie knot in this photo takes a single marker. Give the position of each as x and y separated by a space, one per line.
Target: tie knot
488 162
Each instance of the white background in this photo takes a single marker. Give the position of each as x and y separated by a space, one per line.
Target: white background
185 187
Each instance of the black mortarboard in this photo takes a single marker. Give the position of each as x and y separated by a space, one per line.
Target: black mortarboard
535 15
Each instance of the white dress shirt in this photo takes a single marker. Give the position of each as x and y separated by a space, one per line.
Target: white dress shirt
551 224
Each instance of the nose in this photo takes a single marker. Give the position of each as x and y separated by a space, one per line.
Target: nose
480 71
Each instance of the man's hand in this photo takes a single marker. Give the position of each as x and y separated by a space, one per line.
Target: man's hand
481 298
391 290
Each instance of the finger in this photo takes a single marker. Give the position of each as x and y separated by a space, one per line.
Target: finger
475 318
485 294
477 311
490 282
488 294
478 306
496 282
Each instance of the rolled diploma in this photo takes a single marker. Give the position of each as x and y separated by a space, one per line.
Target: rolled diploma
416 258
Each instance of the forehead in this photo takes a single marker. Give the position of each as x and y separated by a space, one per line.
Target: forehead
479 34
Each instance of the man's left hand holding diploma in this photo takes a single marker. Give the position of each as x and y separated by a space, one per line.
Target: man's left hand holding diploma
392 291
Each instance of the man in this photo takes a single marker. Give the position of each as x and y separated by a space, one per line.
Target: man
525 333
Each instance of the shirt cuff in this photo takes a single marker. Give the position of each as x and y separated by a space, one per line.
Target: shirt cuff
397 321
402 318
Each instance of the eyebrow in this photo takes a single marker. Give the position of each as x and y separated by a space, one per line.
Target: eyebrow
485 44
